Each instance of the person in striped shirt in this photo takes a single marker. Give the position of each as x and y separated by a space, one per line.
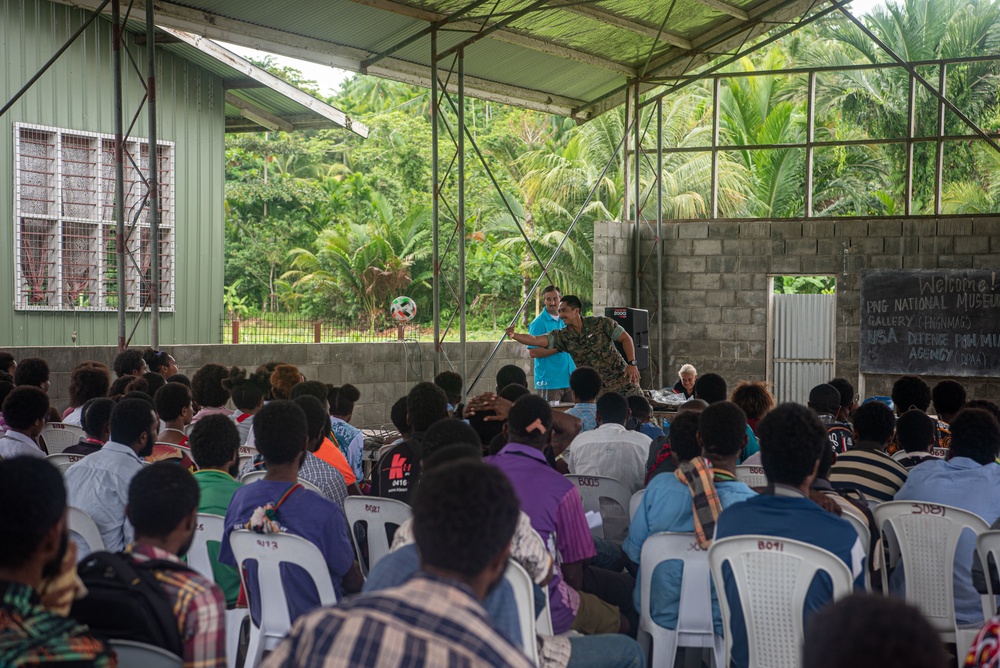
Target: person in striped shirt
867 468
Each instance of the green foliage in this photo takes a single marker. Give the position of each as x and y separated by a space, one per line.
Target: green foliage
804 285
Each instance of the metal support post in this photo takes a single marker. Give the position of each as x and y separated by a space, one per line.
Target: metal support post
116 62
810 138
460 223
911 131
939 145
659 236
714 195
154 181
637 192
435 196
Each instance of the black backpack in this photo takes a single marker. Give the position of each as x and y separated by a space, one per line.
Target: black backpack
126 602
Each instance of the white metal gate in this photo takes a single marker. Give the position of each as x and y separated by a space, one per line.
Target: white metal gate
804 344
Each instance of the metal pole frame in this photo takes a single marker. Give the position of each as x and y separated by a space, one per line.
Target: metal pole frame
116 47
154 181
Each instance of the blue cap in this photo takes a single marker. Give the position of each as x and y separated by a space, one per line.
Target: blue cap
885 400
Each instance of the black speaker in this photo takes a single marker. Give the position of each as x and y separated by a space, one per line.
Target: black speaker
635 321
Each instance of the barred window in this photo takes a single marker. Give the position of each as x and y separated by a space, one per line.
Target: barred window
65 236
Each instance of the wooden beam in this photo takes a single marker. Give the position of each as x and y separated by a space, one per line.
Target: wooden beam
605 16
240 83
254 113
725 8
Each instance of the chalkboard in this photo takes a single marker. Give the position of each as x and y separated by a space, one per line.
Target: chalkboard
942 322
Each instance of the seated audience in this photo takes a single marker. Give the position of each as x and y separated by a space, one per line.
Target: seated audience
35 371
867 468
98 484
90 380
916 433
711 388
610 450
36 560
682 445
585 384
8 364
642 417
397 415
686 378
553 504
511 374
825 400
848 400
215 446
463 533
399 468
753 397
668 504
912 392
161 362
451 383
247 393
969 480
327 450
283 378
949 397
864 631
129 362
163 508
154 382
208 393
5 389
24 411
96 423
792 441
281 431
350 440
173 406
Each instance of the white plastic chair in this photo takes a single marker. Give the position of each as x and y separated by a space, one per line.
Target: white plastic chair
131 653
209 528
377 513
635 502
593 489
925 537
865 536
63 461
270 551
524 592
772 576
58 436
988 545
81 524
254 476
753 476
695 626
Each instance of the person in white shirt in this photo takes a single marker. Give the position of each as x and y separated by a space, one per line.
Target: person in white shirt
24 411
610 450
98 483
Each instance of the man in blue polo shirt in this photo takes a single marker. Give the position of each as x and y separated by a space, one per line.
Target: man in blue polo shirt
792 439
552 368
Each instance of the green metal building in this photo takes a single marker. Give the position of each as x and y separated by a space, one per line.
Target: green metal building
57 222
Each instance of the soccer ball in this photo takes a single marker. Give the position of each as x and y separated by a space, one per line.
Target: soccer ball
403 309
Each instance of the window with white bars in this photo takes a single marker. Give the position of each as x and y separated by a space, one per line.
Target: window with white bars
64 212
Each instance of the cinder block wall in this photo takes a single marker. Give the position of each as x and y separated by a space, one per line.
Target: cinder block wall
382 371
716 282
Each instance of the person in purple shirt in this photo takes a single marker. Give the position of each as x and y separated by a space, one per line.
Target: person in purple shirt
280 430
556 512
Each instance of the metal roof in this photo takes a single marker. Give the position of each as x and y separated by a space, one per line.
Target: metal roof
570 57
256 100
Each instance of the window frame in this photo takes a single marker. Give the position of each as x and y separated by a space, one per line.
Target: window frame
78 245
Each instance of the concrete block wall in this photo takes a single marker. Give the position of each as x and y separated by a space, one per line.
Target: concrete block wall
717 278
382 371
613 273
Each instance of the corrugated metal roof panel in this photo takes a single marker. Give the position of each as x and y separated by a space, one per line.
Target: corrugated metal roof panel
563 56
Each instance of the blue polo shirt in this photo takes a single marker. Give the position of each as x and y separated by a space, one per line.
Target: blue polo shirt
788 514
963 483
554 370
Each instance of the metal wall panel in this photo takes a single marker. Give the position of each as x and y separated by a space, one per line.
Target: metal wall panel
804 344
76 94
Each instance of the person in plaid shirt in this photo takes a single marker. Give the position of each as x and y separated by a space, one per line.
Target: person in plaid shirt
38 573
163 508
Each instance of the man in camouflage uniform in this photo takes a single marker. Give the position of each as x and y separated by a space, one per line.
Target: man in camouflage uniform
590 341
